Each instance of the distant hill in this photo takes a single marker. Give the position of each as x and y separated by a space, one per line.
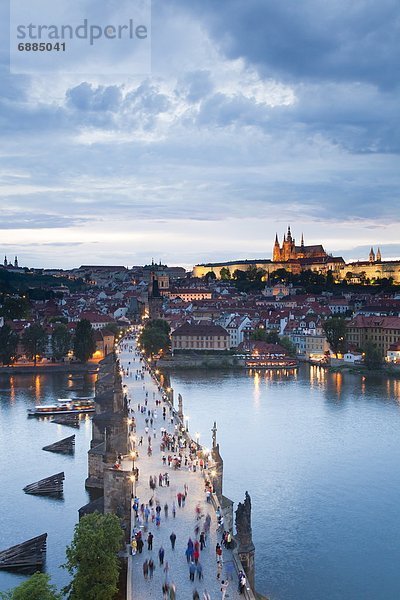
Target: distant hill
14 283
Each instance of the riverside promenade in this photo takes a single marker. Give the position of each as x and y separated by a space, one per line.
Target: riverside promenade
175 568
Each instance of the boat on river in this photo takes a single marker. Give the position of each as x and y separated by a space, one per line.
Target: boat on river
77 399
72 407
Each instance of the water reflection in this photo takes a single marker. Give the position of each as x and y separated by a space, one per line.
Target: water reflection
21 442
328 482
256 393
38 390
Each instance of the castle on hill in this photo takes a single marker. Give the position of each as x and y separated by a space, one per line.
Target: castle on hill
289 250
298 258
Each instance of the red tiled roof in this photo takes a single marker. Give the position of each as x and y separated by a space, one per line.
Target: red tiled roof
208 329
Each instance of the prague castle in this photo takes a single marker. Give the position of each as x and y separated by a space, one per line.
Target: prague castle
297 258
289 250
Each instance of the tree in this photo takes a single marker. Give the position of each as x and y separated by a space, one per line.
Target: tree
239 275
155 336
225 273
335 331
84 342
8 345
160 324
37 587
373 356
210 275
261 335
15 308
60 341
280 276
34 341
92 559
286 343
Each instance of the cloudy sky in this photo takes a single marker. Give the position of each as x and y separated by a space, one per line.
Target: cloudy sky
256 114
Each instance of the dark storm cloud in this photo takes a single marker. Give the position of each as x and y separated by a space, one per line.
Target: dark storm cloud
313 40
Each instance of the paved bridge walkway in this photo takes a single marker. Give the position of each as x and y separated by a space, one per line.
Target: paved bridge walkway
175 568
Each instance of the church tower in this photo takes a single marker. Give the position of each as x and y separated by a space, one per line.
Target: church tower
288 249
276 254
371 255
5 263
16 262
379 256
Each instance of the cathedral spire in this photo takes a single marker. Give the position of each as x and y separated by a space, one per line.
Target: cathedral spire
16 262
372 255
302 240
5 263
289 234
379 255
276 252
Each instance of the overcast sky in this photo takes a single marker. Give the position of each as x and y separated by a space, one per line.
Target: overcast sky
257 114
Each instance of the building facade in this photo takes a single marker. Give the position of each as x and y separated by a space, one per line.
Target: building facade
200 337
298 258
287 256
381 331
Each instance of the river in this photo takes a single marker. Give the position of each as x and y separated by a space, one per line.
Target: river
319 454
23 461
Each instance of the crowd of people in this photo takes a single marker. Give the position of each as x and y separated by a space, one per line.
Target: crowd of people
177 452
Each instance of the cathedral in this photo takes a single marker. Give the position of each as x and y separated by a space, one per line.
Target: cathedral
289 251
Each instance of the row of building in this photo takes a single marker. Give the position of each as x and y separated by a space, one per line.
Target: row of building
297 258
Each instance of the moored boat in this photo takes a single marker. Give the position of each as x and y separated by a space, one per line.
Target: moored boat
77 399
67 408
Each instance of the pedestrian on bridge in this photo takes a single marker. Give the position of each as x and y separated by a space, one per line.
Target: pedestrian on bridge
224 588
151 568
192 571
146 569
172 537
150 541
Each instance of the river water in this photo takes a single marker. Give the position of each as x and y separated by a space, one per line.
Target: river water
23 461
319 454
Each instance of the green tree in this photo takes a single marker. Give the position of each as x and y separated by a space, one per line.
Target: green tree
225 273
286 343
280 276
92 558
60 341
8 345
84 342
239 275
255 274
210 275
155 336
335 331
37 587
160 324
15 308
330 278
34 341
373 356
262 335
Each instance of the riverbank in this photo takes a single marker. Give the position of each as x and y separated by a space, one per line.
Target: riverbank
50 368
201 361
